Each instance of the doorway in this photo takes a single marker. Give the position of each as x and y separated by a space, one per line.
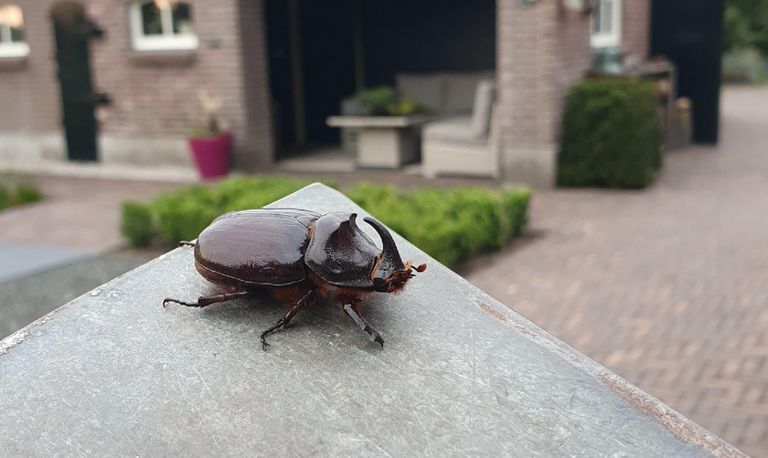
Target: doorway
689 33
321 52
73 32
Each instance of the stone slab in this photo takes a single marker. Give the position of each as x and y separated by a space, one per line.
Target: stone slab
113 373
18 260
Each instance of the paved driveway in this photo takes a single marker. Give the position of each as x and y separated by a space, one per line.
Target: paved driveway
668 287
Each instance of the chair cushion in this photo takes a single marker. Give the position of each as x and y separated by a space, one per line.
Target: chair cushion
459 91
481 111
456 130
424 88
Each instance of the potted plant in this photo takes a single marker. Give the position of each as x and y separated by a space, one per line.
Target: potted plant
382 101
211 145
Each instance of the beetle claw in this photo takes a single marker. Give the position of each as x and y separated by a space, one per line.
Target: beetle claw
379 340
169 300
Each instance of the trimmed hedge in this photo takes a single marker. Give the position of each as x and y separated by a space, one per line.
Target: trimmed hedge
611 135
183 214
18 194
451 225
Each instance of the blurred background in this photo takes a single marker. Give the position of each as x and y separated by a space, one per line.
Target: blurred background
598 165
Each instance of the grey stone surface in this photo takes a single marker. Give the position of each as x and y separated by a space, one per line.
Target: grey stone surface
460 374
17 260
23 300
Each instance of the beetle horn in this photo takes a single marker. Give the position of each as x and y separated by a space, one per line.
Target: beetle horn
390 257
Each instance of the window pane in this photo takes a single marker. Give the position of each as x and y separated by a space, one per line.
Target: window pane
151 20
17 34
607 17
11 23
182 18
597 14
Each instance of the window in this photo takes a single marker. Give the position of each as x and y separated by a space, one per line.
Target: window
12 42
606 24
159 25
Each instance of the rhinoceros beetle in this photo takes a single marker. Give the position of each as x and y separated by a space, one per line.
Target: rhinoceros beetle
300 257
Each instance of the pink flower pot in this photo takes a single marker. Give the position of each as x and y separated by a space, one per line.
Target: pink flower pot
212 155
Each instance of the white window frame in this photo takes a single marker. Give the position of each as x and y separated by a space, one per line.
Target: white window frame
612 38
168 41
10 48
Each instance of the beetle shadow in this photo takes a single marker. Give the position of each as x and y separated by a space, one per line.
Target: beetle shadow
260 311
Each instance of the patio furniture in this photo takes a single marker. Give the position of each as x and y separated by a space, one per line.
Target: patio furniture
383 141
465 145
443 94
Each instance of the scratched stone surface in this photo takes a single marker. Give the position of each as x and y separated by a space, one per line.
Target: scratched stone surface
113 373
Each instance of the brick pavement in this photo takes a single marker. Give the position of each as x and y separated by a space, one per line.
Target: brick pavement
668 287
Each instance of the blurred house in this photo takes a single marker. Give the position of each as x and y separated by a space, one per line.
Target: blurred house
116 81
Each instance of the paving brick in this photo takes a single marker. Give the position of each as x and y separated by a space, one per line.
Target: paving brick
665 286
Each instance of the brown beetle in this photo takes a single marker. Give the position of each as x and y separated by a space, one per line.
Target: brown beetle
299 257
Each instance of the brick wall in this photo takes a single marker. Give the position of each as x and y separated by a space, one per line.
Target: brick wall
258 141
635 31
153 95
29 95
542 50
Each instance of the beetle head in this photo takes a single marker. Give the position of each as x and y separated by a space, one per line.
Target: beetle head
390 273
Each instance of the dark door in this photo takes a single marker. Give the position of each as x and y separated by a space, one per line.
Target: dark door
73 31
312 68
689 33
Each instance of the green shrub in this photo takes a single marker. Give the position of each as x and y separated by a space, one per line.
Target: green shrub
4 198
515 204
26 193
377 100
183 214
611 135
746 25
136 224
406 107
744 66
16 190
450 225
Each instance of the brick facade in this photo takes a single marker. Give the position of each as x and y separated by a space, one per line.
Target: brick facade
542 50
154 102
636 25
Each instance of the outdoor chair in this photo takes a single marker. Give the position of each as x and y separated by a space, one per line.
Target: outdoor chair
465 145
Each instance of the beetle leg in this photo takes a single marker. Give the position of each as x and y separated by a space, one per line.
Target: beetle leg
185 243
202 301
352 310
306 300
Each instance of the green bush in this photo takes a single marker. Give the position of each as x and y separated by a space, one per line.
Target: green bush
382 101
377 100
183 214
450 225
746 25
136 224
26 194
406 107
17 191
4 198
744 66
611 135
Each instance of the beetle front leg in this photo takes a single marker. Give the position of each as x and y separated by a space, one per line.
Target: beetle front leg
353 311
306 300
202 301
